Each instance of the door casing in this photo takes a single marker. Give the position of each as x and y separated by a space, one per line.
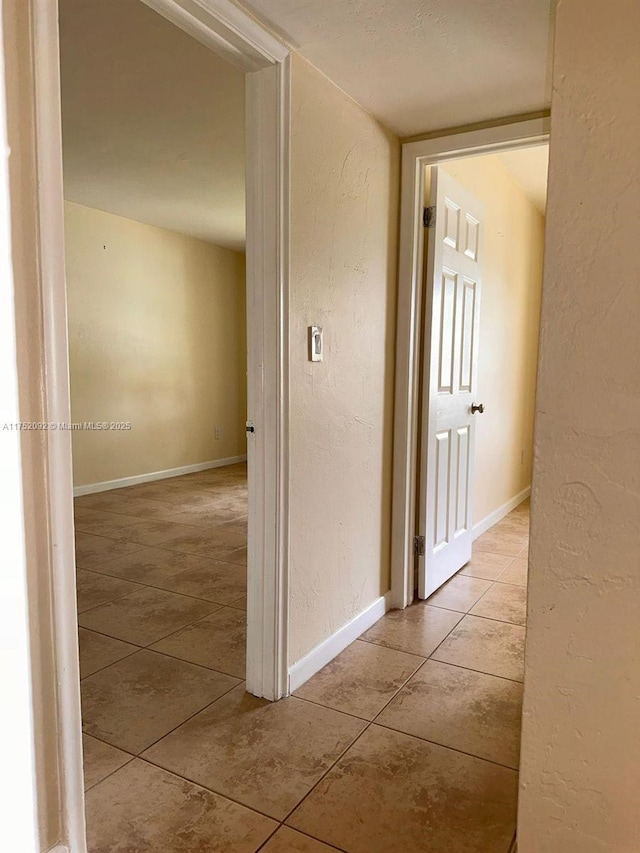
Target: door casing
416 156
225 28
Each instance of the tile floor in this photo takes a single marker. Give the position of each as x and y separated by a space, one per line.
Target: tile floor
407 741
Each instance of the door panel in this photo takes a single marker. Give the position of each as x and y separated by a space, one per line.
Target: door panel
453 284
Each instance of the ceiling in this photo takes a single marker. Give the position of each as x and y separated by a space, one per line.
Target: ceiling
529 167
424 65
153 122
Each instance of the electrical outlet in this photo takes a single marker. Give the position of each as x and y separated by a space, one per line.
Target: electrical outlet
218 433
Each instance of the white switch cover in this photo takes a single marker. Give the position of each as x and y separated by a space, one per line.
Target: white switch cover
316 343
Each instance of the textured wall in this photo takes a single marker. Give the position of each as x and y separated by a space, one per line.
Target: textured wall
509 325
580 782
345 174
157 337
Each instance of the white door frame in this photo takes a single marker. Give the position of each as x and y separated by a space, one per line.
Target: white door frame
415 157
240 39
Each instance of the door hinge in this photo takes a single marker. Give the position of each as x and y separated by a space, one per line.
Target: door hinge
429 217
418 546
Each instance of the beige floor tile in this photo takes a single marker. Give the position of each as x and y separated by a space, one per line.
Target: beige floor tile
206 516
266 755
505 602
100 760
287 840
153 565
215 581
517 523
517 572
120 503
484 564
391 791
143 809
465 710
152 531
240 604
139 699
501 542
485 645
94 589
145 616
197 540
361 680
459 593
209 500
98 651
234 555
418 629
109 524
92 551
218 642
163 491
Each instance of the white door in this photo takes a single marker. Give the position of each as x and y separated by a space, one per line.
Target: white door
449 393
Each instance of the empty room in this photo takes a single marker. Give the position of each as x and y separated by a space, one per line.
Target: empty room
154 217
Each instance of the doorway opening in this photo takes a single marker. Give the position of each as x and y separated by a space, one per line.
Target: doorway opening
155 293
154 177
461 569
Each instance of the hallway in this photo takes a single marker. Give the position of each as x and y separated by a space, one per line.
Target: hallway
409 740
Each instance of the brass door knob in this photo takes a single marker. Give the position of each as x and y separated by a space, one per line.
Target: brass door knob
477 408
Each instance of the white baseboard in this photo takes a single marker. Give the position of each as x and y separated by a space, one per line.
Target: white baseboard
498 514
336 643
154 475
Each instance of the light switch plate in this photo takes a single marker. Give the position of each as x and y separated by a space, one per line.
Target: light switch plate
316 343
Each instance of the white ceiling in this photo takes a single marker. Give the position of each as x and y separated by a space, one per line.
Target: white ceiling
529 167
424 65
153 122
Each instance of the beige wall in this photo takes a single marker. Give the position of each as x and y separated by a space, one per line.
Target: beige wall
344 177
157 337
509 325
580 768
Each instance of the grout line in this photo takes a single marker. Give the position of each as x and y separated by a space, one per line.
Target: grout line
445 746
110 601
228 550
124 657
231 566
270 836
327 771
479 615
207 788
162 588
368 725
164 636
510 583
469 669
300 832
238 683
112 772
157 518
210 790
